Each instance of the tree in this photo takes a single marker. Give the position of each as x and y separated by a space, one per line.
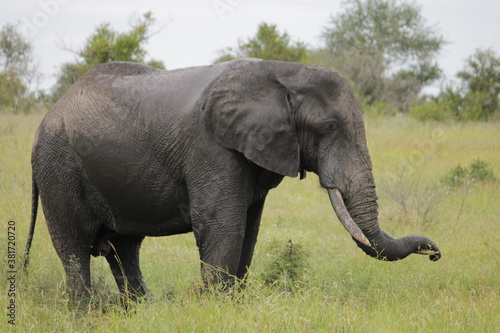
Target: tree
15 51
481 77
17 70
477 98
385 47
105 45
267 44
12 91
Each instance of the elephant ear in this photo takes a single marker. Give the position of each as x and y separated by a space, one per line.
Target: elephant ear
248 111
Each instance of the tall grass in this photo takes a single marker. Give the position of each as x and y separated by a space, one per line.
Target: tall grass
341 289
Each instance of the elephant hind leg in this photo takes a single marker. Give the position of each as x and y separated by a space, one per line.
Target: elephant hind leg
71 239
78 277
123 259
76 262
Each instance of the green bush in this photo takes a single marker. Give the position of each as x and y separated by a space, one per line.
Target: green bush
377 108
14 95
455 176
474 106
477 170
287 265
431 110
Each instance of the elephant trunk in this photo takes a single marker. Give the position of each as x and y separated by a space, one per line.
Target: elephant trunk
361 221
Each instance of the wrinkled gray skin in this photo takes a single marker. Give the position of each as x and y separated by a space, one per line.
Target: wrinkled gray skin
132 151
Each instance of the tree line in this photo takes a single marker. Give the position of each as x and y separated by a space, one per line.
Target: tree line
385 48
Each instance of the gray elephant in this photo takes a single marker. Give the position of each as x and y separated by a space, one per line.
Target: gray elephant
132 151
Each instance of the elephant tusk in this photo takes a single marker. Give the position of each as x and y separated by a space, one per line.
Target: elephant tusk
345 218
428 252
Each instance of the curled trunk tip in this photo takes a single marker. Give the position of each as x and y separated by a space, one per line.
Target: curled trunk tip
430 250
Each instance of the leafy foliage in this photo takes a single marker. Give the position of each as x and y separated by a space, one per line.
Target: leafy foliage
15 51
105 45
377 108
481 76
459 175
430 110
267 44
12 90
476 99
16 70
287 265
385 47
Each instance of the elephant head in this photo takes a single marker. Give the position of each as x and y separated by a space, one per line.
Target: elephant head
288 117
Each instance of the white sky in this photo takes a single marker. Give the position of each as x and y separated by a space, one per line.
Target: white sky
196 29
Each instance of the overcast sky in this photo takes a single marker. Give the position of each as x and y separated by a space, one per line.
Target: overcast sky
193 31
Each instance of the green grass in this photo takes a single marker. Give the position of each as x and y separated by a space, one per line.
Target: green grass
342 289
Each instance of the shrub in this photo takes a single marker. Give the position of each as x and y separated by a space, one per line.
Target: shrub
474 106
455 177
377 108
431 110
454 104
287 265
477 170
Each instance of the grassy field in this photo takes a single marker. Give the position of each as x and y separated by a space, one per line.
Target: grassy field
341 289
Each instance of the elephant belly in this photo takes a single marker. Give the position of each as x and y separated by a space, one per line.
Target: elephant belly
142 196
140 208
151 220
170 226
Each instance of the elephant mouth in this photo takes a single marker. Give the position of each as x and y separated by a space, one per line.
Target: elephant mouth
345 218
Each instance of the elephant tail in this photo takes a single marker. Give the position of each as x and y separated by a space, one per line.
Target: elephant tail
34 210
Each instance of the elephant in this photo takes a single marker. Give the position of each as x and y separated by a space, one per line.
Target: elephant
131 151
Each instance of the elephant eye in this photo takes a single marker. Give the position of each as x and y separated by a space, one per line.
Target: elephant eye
330 126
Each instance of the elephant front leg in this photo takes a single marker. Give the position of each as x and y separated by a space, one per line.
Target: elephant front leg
252 230
220 241
220 259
